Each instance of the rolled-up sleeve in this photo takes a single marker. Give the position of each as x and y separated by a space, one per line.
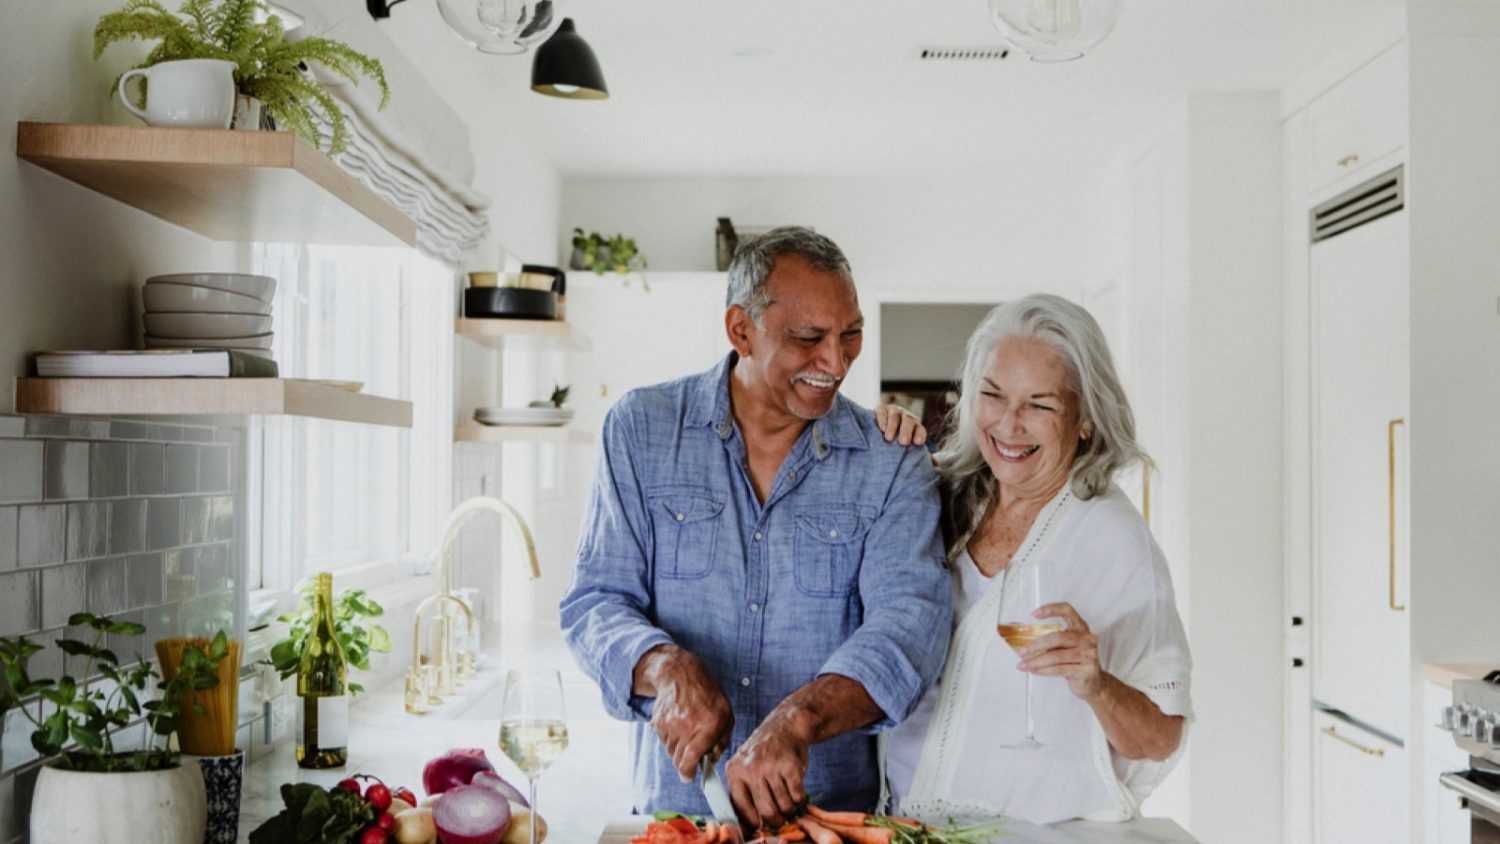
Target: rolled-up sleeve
899 649
606 613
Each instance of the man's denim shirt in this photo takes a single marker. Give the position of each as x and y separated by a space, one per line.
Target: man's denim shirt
840 572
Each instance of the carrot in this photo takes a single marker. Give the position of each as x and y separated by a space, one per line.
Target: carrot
791 832
909 823
863 834
817 832
843 818
726 835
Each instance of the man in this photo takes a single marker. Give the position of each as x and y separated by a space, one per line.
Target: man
760 573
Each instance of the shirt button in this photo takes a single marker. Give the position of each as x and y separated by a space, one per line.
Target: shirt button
681 516
759 536
833 534
755 607
791 476
745 681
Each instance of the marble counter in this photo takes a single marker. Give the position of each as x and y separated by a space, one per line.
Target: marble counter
1143 831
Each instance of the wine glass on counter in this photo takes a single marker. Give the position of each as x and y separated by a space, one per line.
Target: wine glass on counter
533 726
1021 596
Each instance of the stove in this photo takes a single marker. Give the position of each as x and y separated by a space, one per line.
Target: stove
1474 722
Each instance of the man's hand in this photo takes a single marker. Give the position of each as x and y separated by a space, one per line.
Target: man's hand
691 715
765 776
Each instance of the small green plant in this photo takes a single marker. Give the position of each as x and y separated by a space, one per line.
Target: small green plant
268 67
559 396
600 254
86 712
359 638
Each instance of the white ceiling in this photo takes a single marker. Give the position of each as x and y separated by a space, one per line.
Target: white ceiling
836 88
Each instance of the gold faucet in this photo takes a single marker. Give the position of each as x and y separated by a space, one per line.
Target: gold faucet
431 678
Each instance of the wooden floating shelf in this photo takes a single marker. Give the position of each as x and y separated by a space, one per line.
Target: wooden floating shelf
473 432
220 183
206 397
492 332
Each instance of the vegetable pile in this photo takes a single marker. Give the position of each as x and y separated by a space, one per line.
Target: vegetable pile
816 826
467 803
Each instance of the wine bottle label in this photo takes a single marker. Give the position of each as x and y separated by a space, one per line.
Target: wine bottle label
333 722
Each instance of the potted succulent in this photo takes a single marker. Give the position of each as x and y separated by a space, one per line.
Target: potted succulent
618 254
269 69
92 789
357 636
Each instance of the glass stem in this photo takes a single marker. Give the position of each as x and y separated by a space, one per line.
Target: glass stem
1030 726
531 786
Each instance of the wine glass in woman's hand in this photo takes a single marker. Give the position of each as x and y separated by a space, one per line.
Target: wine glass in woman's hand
1021 595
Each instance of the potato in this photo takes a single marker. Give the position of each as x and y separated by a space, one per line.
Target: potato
415 826
398 806
520 827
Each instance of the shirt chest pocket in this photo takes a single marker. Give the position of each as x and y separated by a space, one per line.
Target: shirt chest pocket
828 545
687 525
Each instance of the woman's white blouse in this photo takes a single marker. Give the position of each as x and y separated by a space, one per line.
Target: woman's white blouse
950 757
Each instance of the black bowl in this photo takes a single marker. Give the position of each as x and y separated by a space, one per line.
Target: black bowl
510 303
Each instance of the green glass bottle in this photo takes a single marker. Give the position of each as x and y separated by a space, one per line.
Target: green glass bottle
323 717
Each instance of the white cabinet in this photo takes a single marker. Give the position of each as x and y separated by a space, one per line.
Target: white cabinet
1361 370
1360 781
1361 121
1444 820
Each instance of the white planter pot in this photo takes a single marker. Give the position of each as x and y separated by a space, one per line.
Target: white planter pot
165 807
247 114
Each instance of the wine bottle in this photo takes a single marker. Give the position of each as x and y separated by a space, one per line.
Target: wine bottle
323 717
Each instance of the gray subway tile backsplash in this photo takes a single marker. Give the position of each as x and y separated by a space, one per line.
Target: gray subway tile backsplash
67 472
109 470
163 523
127 526
8 523
41 534
108 593
64 592
182 469
148 468
135 519
88 530
20 470
19 610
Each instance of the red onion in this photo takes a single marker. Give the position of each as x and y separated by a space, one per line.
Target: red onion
471 814
455 768
490 779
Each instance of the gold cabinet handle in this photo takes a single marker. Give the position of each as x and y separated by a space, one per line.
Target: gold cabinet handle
1390 453
1146 494
1368 751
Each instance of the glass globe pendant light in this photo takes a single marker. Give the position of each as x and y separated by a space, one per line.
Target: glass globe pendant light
1054 30
501 27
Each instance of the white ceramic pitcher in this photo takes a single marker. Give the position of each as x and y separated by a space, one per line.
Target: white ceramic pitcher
190 93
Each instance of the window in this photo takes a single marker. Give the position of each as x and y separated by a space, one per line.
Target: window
327 495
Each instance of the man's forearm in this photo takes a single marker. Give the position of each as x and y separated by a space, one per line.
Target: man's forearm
650 669
829 706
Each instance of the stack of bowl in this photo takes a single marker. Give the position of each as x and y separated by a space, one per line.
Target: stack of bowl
209 311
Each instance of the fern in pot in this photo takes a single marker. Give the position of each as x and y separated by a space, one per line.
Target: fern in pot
96 787
269 69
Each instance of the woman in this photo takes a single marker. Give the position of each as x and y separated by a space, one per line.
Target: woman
1041 428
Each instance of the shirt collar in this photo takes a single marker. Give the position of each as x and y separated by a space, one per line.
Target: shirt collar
709 405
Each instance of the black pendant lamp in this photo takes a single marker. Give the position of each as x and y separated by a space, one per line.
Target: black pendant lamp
564 66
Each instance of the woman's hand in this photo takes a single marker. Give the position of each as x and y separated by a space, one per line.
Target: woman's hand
899 424
1072 653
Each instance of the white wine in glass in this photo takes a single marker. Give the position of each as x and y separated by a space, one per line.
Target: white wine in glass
1021 596
533 726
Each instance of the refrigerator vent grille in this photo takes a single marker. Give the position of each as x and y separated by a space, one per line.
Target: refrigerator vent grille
1363 203
963 54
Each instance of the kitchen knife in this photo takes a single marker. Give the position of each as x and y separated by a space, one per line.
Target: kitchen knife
718 799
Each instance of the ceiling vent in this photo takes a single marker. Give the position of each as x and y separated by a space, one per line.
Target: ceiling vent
1361 204
962 54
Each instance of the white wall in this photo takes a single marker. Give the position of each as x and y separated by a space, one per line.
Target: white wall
1455 343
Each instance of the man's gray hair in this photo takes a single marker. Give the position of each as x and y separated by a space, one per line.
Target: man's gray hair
751 267
1074 334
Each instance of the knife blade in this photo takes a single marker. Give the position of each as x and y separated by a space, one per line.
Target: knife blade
718 798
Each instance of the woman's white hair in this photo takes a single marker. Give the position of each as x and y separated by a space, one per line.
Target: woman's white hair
1074 334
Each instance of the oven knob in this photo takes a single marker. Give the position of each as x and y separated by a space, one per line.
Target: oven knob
1449 719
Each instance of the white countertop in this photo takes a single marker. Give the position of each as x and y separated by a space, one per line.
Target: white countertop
1142 831
1444 673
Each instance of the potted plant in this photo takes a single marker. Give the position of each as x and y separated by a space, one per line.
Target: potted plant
91 790
618 254
357 636
269 69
